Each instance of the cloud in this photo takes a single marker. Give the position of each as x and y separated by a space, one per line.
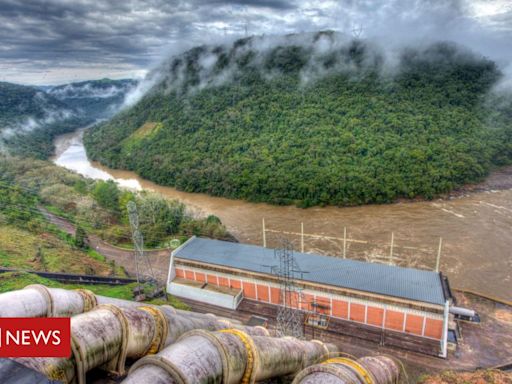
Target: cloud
57 41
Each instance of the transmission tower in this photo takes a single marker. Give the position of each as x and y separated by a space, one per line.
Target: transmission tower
143 267
289 317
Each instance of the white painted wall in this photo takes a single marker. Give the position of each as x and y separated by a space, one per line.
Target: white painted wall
203 295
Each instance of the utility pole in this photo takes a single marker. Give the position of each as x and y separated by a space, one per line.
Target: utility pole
391 248
438 259
264 234
302 237
344 242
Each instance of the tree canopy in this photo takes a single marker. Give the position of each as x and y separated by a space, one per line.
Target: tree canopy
353 135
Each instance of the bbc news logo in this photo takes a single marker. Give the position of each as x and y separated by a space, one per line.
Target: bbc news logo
35 337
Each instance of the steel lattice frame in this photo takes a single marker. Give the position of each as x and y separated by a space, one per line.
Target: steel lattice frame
142 264
289 317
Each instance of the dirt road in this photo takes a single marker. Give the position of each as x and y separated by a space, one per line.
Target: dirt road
159 259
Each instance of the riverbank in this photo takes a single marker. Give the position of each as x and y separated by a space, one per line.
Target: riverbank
474 225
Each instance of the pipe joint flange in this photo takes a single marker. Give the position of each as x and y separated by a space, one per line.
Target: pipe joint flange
327 351
249 376
163 363
331 369
117 365
356 367
89 299
45 292
161 330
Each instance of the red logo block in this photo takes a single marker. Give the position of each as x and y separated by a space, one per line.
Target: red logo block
35 337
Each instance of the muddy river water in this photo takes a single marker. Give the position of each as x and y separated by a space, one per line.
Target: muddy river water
476 228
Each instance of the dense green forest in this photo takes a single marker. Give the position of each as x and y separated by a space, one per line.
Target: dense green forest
289 125
30 118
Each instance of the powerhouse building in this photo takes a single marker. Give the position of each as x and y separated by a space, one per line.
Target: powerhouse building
405 305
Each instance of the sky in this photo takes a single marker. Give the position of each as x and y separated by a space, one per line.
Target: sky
47 42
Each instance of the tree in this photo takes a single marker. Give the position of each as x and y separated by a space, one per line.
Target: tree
40 258
80 238
106 193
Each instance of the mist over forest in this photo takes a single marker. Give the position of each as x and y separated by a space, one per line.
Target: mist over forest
315 118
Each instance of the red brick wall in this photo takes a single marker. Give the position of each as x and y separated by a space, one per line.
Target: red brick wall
263 293
375 316
249 290
340 309
275 295
394 320
324 305
180 273
189 275
414 324
294 300
201 277
212 279
434 328
307 300
357 312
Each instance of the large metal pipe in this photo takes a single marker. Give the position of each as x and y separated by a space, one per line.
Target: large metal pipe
342 370
462 311
108 335
40 301
229 356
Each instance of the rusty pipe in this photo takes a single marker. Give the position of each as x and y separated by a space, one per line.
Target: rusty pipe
228 356
342 370
108 335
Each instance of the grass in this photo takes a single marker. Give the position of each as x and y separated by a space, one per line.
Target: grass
10 281
146 130
49 251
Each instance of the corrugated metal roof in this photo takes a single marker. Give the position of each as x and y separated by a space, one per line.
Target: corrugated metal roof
407 283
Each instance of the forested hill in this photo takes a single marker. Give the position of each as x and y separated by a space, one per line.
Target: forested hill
19 102
31 117
313 119
94 98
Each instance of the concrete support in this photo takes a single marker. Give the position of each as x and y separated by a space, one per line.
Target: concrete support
229 356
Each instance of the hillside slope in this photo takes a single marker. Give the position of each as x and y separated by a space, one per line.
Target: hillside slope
31 117
313 119
97 99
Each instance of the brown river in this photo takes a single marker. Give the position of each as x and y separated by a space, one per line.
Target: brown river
476 227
